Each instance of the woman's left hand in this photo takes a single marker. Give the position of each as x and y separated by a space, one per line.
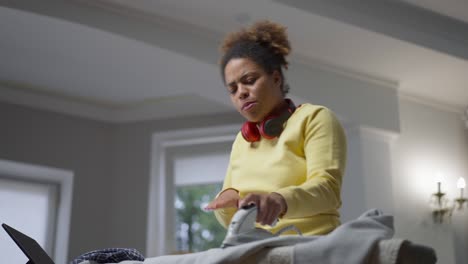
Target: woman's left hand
269 206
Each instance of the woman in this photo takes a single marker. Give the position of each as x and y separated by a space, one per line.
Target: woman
287 160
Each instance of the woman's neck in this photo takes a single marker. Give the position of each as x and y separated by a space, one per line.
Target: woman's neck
280 106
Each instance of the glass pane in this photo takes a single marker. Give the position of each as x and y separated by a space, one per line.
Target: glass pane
25 207
196 230
190 164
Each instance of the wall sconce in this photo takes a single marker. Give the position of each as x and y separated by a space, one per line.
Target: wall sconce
441 205
461 200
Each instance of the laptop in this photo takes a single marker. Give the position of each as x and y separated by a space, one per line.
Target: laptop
35 253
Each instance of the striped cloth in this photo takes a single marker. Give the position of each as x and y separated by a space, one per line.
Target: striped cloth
110 255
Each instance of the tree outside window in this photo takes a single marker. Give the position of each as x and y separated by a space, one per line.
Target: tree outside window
196 229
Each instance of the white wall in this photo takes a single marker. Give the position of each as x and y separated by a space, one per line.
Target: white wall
357 99
60 141
395 173
431 140
368 180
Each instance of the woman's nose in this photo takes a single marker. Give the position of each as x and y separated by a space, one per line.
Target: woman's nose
243 92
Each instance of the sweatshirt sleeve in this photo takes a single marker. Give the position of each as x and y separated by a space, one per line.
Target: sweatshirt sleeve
224 215
325 154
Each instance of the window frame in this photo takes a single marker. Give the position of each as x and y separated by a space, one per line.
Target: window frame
64 180
161 184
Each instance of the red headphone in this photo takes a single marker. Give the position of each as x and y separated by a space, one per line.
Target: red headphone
271 127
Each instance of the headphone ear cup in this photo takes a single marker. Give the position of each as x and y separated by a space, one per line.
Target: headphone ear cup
273 126
270 128
250 132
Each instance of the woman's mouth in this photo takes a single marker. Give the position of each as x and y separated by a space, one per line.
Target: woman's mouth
247 106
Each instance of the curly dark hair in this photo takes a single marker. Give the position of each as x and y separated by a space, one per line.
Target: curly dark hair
265 42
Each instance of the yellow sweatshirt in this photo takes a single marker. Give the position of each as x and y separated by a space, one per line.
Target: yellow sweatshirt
305 165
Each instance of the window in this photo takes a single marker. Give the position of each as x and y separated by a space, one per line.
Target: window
198 173
31 208
187 170
36 200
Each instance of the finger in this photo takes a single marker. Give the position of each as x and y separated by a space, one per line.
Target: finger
266 211
272 216
249 199
217 203
270 210
212 205
263 210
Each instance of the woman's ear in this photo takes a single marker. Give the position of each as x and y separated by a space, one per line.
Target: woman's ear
277 78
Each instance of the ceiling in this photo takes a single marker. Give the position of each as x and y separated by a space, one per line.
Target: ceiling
119 61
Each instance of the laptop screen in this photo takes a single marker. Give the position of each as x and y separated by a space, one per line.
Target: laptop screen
29 246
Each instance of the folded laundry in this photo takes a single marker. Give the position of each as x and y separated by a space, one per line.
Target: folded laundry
110 255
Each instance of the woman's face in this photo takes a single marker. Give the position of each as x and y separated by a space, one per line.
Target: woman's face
254 92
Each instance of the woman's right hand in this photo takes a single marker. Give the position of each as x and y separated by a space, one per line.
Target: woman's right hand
228 198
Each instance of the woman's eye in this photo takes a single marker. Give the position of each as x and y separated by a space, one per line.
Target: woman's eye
232 90
250 81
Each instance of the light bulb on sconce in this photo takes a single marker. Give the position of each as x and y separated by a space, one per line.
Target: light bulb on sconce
442 208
